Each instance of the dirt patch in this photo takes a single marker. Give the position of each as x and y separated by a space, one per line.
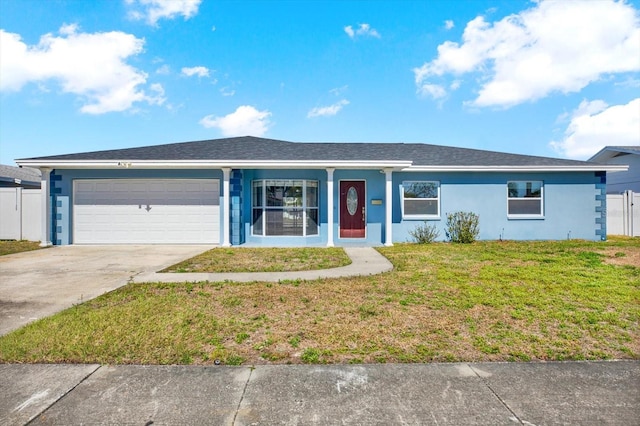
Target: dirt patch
629 256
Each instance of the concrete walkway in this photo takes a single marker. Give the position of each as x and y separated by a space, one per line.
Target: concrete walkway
580 393
364 261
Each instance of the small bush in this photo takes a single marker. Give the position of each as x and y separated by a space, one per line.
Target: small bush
462 227
425 233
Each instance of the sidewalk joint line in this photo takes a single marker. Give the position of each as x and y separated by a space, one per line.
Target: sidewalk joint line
486 383
31 420
244 391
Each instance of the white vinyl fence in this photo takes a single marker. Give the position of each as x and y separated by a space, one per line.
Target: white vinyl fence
623 214
20 214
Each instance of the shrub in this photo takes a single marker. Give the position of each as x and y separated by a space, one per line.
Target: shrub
425 233
462 227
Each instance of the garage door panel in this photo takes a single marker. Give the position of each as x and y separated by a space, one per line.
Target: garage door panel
146 211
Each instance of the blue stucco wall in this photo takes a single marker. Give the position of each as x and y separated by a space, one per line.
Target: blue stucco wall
574 203
62 192
571 206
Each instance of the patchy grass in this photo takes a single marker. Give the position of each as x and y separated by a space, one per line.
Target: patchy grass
487 301
263 260
11 247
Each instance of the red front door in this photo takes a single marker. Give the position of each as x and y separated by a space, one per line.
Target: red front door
352 209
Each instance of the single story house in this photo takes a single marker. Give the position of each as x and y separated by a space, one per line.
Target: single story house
17 177
264 192
625 181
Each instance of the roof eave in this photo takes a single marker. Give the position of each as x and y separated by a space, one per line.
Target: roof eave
208 164
609 152
521 169
310 164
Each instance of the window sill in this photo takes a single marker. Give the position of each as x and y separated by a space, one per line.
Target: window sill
525 217
421 218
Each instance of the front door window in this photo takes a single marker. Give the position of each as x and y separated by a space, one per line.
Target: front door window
352 200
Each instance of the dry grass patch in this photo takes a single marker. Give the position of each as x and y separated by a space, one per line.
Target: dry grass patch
11 247
489 301
629 257
241 259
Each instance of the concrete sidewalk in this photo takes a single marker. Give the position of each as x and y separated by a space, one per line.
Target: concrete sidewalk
584 393
364 261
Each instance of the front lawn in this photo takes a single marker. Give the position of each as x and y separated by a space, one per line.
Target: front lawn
12 246
263 260
487 301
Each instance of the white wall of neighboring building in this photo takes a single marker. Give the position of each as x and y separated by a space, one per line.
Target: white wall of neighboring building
20 214
623 214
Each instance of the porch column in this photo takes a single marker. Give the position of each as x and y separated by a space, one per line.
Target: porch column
45 198
330 207
388 203
226 217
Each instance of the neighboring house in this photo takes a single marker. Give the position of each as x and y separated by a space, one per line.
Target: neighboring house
625 181
17 177
257 191
623 190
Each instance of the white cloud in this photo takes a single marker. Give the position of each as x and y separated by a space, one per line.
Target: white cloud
226 91
448 24
164 70
364 30
328 110
246 120
158 98
91 66
433 90
154 10
199 71
339 90
555 46
595 125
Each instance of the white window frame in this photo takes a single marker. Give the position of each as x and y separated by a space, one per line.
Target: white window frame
304 207
516 199
406 216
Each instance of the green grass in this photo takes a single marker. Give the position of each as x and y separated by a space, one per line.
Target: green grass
263 260
487 301
11 247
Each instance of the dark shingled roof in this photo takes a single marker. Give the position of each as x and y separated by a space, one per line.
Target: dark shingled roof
257 149
27 176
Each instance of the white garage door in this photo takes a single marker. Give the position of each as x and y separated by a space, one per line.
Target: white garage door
146 211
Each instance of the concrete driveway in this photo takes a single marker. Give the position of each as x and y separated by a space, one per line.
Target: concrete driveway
39 283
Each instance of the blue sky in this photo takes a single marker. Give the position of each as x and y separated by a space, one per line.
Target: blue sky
550 78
